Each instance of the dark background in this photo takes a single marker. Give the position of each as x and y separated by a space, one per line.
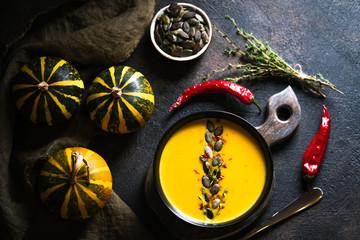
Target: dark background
321 36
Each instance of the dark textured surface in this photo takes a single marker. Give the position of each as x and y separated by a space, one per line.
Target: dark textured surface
321 36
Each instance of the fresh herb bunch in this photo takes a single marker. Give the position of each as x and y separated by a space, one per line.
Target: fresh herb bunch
264 62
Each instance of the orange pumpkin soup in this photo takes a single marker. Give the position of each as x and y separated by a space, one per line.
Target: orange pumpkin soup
242 171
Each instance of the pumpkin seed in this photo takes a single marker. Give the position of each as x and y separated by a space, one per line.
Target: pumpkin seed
177 19
218 131
217 173
214 189
172 46
192 31
161 32
177 51
176 25
215 204
210 126
167 49
190 8
182 12
165 19
218 145
201 43
206 197
193 22
208 151
186 53
173 6
206 181
157 37
171 37
197 47
207 167
209 213
189 44
216 161
174 12
197 36
201 27
166 42
206 28
204 37
208 137
189 14
199 17
182 34
186 27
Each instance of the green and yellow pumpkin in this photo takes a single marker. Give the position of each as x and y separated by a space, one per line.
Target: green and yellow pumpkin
75 183
48 90
120 100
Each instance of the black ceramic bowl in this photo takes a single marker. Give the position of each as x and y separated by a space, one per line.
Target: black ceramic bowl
262 201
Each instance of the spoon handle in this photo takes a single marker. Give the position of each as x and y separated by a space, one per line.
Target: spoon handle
304 201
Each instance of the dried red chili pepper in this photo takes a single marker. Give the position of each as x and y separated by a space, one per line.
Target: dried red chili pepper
314 154
217 86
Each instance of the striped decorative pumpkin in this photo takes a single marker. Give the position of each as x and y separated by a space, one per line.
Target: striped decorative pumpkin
48 90
120 100
75 183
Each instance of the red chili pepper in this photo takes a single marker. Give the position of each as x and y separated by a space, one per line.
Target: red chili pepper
314 154
217 86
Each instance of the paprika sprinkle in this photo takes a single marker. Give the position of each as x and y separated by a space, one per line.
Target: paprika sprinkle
217 86
315 152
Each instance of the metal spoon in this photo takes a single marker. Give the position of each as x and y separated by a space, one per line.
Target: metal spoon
304 201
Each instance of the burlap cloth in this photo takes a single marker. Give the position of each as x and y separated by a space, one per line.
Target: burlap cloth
92 35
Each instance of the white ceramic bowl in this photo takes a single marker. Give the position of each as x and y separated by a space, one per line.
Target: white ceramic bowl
187 58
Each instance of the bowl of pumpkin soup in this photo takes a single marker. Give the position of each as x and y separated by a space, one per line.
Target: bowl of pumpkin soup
213 169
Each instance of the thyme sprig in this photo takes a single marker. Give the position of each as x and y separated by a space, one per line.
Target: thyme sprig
262 62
